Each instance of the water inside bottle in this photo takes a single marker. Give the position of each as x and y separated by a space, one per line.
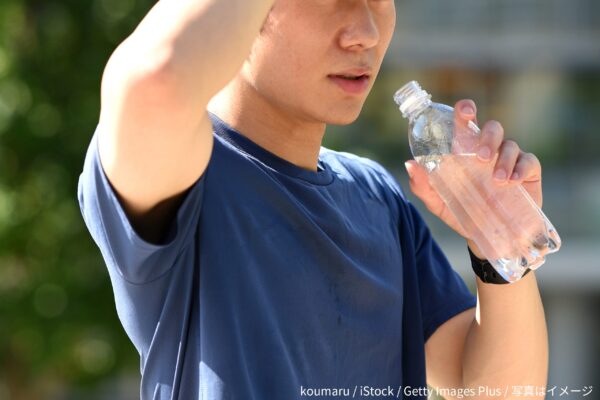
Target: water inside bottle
501 218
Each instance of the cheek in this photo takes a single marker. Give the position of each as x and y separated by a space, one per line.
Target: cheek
289 62
388 25
276 73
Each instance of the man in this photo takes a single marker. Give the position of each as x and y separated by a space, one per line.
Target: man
247 261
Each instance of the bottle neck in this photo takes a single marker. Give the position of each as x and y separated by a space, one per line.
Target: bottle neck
412 100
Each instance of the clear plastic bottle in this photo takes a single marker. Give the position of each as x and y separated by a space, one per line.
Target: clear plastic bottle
502 219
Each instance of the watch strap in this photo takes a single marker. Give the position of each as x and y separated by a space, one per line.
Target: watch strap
486 272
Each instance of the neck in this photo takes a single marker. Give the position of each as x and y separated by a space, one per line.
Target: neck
270 126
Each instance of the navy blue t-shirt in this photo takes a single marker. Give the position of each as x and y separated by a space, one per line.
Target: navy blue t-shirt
276 281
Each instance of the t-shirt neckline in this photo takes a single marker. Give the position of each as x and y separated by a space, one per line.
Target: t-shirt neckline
323 176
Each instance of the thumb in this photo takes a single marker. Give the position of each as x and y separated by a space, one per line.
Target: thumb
419 180
419 185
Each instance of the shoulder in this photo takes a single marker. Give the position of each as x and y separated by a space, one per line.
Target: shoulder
363 170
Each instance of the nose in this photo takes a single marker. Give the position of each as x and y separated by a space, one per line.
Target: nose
360 32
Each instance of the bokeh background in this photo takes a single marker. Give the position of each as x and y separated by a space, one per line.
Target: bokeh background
532 64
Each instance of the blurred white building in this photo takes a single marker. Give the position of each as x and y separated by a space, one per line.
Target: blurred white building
498 33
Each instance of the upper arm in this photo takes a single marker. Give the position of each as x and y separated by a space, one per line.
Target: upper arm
444 351
154 143
446 306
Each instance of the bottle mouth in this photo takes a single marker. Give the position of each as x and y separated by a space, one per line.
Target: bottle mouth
411 98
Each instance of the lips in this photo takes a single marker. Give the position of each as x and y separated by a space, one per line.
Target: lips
351 77
353 81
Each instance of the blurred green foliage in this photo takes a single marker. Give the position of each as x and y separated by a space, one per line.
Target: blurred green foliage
58 326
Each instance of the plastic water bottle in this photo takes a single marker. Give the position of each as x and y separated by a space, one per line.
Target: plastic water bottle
501 218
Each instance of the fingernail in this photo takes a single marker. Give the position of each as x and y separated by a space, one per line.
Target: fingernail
514 176
484 153
468 110
500 175
408 169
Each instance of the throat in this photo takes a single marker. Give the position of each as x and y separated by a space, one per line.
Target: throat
268 125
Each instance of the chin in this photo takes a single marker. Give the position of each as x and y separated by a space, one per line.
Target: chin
335 112
341 118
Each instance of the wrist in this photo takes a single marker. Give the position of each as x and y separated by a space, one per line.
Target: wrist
475 250
483 268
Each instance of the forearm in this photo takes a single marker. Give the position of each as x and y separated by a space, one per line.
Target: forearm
507 344
205 41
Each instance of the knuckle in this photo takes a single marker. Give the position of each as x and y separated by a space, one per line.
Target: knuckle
509 152
511 145
493 132
532 157
533 160
494 126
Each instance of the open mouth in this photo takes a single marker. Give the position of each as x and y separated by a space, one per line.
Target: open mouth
351 83
351 77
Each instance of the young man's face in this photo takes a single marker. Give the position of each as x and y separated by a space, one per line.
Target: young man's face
317 59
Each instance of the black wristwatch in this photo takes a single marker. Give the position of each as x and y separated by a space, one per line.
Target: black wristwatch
484 270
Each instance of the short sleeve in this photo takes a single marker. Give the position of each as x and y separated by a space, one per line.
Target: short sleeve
443 292
123 250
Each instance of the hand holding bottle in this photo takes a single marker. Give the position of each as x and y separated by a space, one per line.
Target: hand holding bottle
478 183
511 166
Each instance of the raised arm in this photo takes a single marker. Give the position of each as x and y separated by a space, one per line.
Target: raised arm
155 137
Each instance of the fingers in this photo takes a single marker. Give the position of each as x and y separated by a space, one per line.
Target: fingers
465 130
490 141
507 159
466 110
527 168
512 164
